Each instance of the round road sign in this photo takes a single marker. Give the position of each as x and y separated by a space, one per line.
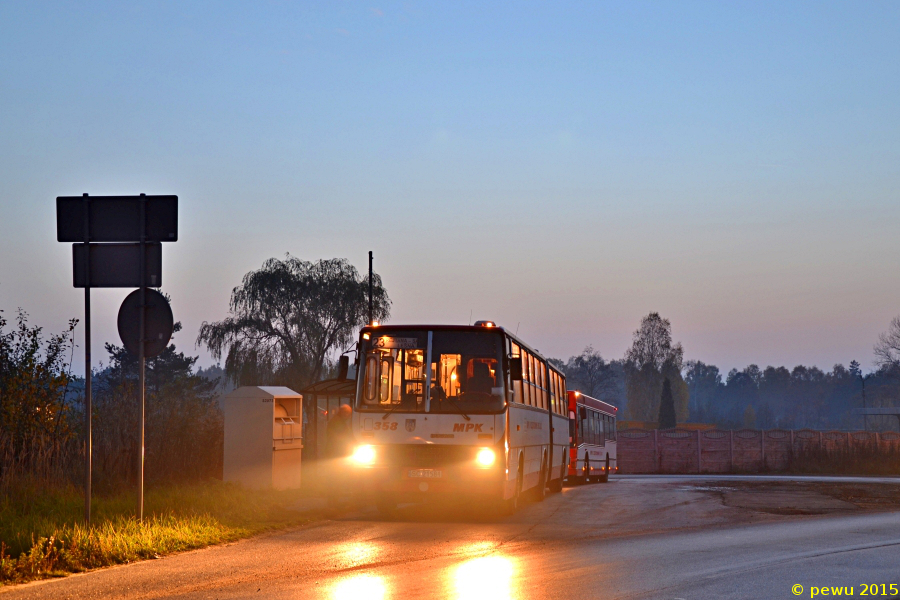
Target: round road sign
158 326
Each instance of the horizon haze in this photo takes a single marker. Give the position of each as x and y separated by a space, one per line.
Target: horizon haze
560 170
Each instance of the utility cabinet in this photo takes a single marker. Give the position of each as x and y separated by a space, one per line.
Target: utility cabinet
263 437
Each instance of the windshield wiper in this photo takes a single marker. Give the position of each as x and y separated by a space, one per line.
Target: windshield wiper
391 409
460 410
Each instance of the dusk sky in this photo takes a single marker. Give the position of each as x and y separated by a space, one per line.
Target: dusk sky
563 169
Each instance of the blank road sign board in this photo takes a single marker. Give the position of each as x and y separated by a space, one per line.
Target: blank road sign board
118 265
117 218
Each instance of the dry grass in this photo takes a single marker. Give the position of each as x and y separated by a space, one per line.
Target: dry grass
42 533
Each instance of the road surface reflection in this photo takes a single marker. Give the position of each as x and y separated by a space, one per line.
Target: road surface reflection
487 577
360 587
491 577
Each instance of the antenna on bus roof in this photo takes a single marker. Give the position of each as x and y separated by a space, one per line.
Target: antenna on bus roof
517 329
470 315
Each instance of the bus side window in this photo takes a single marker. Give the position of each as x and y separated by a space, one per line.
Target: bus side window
542 373
538 368
554 400
529 378
517 385
561 390
585 426
561 394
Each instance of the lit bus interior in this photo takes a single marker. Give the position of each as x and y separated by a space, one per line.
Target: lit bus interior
466 375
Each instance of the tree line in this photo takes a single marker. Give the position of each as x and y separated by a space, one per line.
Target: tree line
753 397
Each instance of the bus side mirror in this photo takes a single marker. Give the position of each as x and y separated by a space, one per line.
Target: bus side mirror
343 366
515 368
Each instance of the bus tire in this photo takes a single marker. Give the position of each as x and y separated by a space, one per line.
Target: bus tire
556 485
605 477
512 505
540 491
586 469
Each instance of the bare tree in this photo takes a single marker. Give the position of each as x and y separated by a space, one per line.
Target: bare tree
289 317
887 350
590 374
652 345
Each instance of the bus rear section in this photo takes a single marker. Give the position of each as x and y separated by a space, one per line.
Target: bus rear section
592 439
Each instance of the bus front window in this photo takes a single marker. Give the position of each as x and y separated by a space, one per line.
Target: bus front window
466 372
394 373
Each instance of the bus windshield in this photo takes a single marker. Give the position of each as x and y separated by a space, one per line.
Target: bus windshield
466 374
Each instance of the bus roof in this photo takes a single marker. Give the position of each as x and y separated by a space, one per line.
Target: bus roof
579 398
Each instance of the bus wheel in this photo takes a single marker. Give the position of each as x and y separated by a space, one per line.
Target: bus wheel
557 484
605 477
540 492
512 505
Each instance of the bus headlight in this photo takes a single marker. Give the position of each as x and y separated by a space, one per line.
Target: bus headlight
363 455
485 457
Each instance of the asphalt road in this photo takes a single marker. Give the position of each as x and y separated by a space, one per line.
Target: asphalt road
635 537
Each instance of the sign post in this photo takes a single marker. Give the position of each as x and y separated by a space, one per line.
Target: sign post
88 408
144 221
141 366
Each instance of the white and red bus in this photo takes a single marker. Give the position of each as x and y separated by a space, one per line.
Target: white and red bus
592 439
447 410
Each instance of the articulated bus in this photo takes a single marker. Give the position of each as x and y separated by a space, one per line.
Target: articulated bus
592 439
447 410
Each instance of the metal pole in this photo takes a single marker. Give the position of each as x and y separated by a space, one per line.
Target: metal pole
88 445
371 318
865 416
143 267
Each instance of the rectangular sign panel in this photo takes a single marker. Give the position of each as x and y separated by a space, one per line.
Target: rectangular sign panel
117 218
400 343
118 265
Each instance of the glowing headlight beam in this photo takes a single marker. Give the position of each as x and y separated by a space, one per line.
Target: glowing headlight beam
485 457
363 455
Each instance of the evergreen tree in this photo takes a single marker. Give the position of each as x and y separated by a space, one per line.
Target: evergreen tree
667 418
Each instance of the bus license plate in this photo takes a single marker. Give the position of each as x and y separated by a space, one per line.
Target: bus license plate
425 473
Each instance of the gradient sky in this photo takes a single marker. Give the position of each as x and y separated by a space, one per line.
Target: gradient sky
563 169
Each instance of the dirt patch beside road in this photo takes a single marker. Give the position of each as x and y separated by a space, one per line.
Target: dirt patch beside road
805 498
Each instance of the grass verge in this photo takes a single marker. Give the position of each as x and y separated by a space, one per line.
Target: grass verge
42 533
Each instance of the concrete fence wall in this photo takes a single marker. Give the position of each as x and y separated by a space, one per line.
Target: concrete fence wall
741 450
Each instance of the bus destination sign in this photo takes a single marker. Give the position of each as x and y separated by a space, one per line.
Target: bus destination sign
395 343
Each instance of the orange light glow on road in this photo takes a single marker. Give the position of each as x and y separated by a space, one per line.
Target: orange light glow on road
487 578
360 587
